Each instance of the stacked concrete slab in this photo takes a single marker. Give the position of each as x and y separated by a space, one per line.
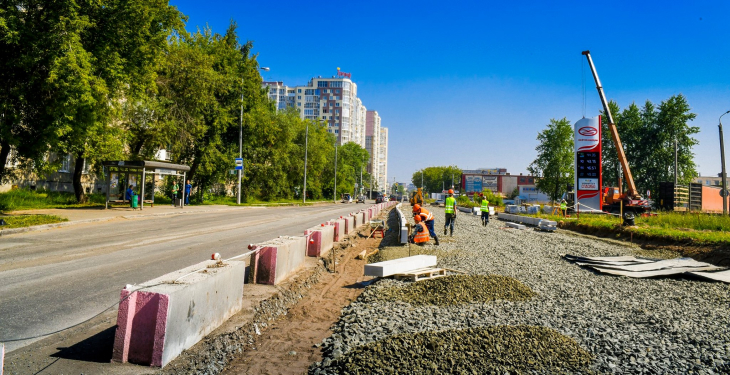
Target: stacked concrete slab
159 319
536 221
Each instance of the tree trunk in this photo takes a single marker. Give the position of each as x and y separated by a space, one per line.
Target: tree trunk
78 171
4 153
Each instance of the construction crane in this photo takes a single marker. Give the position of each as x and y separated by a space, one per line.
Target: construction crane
631 199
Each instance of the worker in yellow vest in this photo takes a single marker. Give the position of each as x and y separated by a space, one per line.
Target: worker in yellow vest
564 207
485 210
450 209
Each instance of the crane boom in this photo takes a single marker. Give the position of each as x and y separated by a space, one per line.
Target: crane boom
631 191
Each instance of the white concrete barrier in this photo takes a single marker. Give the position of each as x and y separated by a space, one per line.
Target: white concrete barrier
155 324
400 265
339 225
279 258
403 229
320 240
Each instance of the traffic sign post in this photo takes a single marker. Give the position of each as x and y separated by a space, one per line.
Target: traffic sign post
239 164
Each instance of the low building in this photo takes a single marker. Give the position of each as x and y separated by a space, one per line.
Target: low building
498 180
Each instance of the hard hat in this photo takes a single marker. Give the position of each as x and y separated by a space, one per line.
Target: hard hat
417 219
416 207
451 191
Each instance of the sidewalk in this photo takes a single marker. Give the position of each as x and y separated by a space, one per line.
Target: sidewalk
94 214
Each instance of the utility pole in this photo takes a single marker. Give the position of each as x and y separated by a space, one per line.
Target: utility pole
724 174
306 144
675 162
335 194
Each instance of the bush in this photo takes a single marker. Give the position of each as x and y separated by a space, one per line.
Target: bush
495 200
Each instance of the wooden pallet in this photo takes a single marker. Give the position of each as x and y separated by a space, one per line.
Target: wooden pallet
422 274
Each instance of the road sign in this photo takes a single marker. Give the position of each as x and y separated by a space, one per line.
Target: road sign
648 193
723 193
239 164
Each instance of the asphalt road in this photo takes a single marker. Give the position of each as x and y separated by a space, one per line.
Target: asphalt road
53 279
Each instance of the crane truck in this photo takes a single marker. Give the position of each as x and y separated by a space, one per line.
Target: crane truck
612 198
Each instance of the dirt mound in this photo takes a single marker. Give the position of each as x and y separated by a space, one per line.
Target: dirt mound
495 350
458 290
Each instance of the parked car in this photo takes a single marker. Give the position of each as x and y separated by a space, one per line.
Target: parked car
379 199
361 199
346 198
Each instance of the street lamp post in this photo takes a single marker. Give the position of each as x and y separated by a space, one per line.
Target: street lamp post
240 142
335 193
306 145
724 175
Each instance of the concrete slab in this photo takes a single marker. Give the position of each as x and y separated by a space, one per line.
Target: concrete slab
516 226
401 265
319 240
339 232
156 324
349 224
279 258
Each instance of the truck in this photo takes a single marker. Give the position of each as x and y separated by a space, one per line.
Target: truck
613 200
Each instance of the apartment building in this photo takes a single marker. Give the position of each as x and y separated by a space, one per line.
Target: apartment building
333 102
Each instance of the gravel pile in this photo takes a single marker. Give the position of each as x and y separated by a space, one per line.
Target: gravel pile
632 326
455 290
495 350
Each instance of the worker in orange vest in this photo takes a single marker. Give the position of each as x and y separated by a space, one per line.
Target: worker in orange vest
427 218
420 232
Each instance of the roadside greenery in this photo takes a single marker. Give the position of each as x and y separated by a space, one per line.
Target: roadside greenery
122 79
20 221
24 199
437 178
697 228
553 166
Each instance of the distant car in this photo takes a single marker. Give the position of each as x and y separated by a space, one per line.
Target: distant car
361 199
392 198
440 202
346 198
379 199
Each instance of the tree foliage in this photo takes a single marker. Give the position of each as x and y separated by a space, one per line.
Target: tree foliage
648 134
437 178
553 168
112 79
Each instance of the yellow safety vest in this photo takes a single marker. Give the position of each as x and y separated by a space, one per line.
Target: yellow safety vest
449 205
485 205
563 206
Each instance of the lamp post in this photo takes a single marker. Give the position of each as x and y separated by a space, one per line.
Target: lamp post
724 175
335 194
306 145
240 142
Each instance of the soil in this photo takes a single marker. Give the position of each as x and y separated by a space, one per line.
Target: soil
289 346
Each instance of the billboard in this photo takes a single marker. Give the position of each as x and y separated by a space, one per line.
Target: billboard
473 184
588 170
490 182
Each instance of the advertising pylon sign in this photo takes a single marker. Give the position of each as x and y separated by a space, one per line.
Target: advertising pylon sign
588 172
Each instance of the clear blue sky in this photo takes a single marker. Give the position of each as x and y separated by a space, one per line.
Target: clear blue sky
472 83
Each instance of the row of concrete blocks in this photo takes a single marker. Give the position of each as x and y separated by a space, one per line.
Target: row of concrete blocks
160 318
536 221
403 234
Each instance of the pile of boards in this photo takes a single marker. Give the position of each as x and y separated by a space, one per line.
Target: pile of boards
642 268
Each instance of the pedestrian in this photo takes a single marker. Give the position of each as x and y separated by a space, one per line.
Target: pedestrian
450 210
564 207
175 189
188 187
427 218
485 210
129 193
420 232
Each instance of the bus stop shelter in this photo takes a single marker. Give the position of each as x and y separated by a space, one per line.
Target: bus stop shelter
122 173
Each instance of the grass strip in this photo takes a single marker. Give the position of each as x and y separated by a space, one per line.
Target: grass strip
21 221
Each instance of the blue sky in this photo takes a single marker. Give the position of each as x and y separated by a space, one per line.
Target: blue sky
472 83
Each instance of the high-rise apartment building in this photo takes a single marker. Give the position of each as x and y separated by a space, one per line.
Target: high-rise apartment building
333 102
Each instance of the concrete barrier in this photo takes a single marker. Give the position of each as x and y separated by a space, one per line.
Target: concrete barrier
155 324
319 240
403 229
278 258
349 224
339 225
359 219
536 221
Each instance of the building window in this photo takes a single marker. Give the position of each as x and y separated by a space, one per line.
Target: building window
299 91
65 164
322 84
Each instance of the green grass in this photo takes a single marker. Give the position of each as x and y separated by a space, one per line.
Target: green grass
19 221
700 229
231 201
24 199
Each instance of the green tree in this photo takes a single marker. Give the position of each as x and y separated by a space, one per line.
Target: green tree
437 178
553 167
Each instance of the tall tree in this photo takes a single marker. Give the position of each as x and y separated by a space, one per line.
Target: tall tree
554 166
437 178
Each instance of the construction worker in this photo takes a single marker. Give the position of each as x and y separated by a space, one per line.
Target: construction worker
485 210
450 209
427 218
564 207
420 232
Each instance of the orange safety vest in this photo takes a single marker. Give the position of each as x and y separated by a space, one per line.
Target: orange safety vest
421 236
425 215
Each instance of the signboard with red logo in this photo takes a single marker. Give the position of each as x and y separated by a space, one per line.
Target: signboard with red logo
588 171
